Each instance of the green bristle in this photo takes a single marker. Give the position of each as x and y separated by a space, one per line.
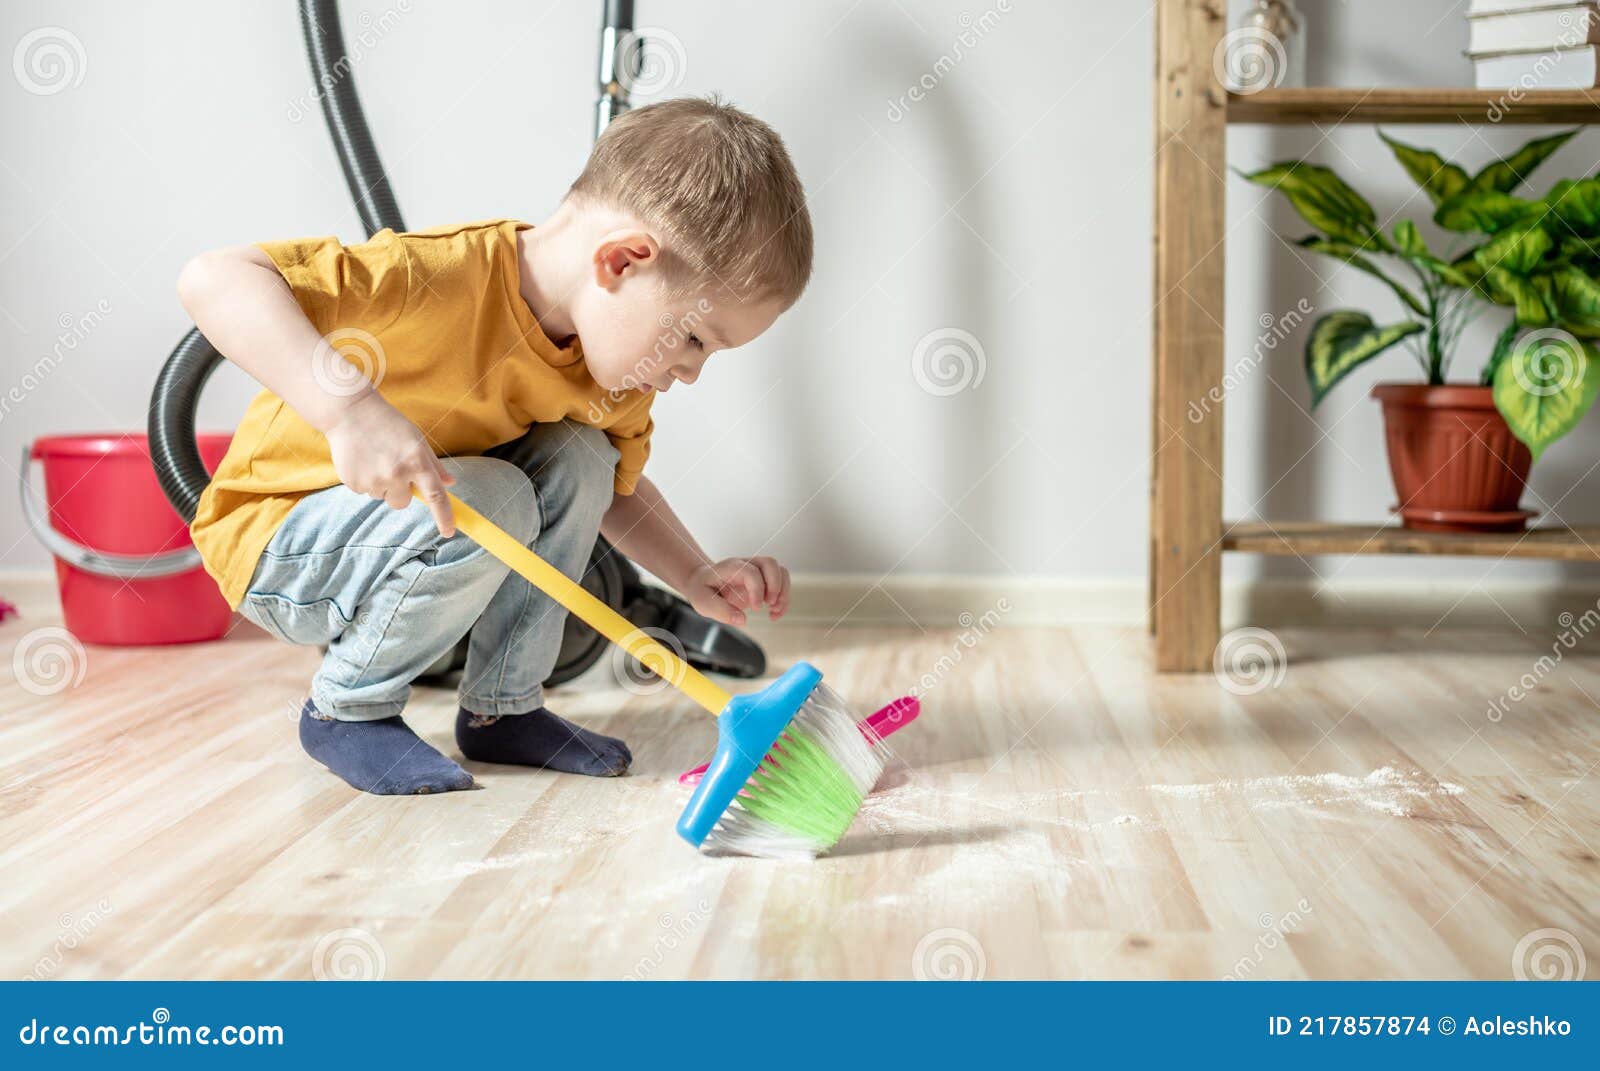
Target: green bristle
802 790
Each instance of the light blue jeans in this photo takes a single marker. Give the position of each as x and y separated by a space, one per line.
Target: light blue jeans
387 595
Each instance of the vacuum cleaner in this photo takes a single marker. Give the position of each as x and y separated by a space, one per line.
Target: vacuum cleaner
704 643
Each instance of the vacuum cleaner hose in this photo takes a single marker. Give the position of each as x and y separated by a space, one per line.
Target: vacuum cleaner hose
173 451
347 123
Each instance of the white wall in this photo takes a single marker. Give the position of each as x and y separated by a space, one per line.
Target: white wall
1014 202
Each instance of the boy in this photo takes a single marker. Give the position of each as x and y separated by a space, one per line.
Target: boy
516 366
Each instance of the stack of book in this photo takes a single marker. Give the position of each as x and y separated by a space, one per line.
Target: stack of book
1534 44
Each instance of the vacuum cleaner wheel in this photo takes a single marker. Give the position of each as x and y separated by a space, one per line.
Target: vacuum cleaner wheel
582 646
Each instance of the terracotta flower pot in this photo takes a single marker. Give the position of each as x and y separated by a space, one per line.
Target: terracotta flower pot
1455 463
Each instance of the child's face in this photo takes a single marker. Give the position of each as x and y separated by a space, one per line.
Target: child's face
638 334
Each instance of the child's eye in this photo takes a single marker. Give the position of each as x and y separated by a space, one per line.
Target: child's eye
694 340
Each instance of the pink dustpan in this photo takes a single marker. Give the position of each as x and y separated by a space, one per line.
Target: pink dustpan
896 715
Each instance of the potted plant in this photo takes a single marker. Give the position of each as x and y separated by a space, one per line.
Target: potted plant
1460 453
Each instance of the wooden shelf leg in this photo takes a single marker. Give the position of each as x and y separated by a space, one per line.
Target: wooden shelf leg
1190 227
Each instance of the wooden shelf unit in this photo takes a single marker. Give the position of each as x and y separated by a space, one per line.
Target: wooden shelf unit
1187 533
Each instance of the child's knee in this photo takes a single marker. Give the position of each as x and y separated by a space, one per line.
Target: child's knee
499 490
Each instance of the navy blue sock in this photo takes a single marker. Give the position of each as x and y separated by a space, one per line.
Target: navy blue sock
382 757
540 738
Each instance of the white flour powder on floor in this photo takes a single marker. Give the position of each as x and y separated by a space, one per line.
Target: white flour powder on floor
1385 790
918 806
1010 848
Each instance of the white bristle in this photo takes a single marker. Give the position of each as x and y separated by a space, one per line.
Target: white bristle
828 720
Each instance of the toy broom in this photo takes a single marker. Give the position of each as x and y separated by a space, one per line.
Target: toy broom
791 767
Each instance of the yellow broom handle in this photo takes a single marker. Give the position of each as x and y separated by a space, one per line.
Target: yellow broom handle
654 656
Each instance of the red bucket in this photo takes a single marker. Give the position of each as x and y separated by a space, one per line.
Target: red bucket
128 573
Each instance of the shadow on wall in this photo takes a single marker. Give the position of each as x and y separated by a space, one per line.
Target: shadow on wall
967 432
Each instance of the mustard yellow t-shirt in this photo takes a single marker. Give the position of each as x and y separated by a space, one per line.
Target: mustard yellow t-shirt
436 320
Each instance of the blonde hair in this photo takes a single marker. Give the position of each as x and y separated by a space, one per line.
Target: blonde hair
719 184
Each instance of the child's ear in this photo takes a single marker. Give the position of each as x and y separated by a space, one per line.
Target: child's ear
621 252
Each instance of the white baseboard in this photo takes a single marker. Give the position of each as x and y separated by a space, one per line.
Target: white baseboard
31 591
935 601
952 601
959 601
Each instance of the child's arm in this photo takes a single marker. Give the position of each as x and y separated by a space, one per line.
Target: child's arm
645 528
245 309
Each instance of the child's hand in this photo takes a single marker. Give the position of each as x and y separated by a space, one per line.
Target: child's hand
724 590
379 453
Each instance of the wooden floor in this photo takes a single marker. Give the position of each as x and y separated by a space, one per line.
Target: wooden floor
1058 811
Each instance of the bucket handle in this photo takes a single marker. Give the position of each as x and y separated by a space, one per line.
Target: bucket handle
99 562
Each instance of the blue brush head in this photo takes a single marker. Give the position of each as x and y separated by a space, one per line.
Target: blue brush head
746 731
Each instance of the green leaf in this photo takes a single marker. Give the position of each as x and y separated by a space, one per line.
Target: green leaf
1545 387
1464 278
1502 348
1486 212
1344 340
1506 288
1575 300
1440 179
1409 240
1323 200
1516 250
1574 246
1467 265
1353 256
1576 204
1508 173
